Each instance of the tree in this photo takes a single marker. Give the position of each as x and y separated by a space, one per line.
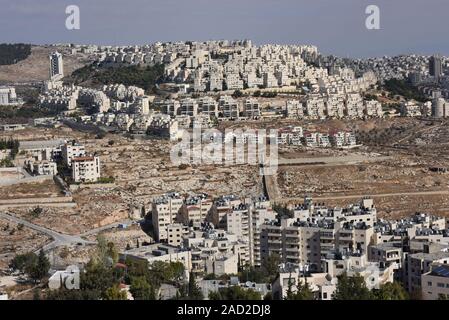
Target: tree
96 279
194 291
351 288
23 262
391 291
237 94
270 266
41 268
303 291
235 293
141 289
114 293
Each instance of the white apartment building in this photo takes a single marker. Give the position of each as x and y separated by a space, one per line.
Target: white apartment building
72 150
164 213
251 109
170 107
56 66
373 108
410 109
294 109
8 96
85 168
189 107
229 107
43 167
160 252
208 106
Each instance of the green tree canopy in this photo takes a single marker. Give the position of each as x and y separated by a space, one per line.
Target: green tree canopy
351 288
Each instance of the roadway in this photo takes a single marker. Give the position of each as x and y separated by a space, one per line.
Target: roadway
61 239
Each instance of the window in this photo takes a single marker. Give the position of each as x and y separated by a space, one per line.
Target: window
324 295
429 283
440 285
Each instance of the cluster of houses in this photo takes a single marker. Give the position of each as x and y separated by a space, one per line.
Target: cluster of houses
43 157
298 137
314 243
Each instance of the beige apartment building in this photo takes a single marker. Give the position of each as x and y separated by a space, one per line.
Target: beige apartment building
435 283
85 169
164 212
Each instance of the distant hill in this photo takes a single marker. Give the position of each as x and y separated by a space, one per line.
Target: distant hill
35 67
13 53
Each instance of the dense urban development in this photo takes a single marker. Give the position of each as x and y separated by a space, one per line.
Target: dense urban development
352 204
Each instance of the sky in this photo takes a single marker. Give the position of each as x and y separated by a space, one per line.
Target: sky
335 26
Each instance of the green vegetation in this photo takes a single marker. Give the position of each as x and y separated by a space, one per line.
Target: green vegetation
13 114
269 95
282 211
6 163
267 273
13 53
143 77
303 291
237 94
405 89
391 291
354 288
235 293
351 288
35 266
11 144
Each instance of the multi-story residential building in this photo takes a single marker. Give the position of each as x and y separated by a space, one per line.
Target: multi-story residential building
229 108
251 109
420 263
373 108
170 107
72 150
294 109
8 97
176 233
315 107
160 252
56 66
44 167
164 211
435 283
189 107
315 232
195 209
85 168
410 109
208 106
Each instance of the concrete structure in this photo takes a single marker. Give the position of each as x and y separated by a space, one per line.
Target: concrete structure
435 283
85 169
56 66
164 212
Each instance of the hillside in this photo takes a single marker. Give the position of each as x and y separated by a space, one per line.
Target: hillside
35 66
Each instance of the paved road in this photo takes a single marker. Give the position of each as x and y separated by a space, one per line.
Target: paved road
106 227
59 239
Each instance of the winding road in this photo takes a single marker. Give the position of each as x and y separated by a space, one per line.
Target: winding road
60 239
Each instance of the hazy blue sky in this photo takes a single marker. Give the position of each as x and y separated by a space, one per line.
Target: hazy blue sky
335 26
